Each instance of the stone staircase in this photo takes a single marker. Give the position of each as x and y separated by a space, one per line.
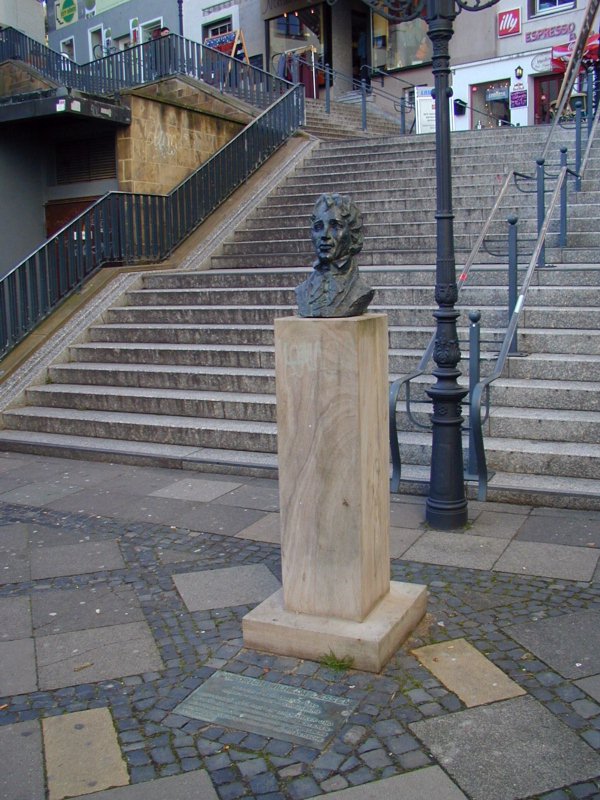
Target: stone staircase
396 194
344 121
180 371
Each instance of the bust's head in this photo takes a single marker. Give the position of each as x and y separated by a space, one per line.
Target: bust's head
336 228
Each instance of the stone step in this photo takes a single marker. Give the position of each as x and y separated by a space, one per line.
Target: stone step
547 424
169 402
385 295
171 377
156 428
518 456
480 275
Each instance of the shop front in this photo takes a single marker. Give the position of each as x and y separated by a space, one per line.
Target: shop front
348 36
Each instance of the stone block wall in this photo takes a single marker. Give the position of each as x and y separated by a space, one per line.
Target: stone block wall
166 142
16 79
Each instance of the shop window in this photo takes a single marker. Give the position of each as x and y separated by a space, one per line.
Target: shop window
490 105
400 45
537 7
296 31
86 160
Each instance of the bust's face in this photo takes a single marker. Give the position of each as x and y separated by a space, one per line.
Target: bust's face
330 235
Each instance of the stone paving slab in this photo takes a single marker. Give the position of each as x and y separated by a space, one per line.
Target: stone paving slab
467 673
76 559
21 760
261 497
197 490
17 672
430 783
267 529
94 500
53 536
39 494
190 786
548 560
569 643
14 537
508 750
15 618
82 754
497 524
97 606
401 539
220 588
404 514
68 659
590 686
456 549
573 529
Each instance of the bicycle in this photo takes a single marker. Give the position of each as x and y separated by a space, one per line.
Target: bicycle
103 50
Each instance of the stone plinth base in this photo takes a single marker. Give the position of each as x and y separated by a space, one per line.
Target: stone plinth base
370 643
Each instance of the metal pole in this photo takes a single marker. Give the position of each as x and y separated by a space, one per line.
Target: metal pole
590 98
180 4
327 89
512 275
446 506
474 378
541 206
578 114
402 115
562 236
363 95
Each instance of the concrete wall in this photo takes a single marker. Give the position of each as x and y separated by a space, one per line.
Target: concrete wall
26 16
22 212
166 142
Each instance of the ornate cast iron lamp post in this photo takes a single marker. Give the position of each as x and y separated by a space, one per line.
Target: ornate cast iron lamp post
447 504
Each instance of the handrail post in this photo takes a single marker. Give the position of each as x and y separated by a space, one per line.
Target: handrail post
512 274
363 94
295 68
327 89
578 115
402 115
562 236
590 98
541 211
474 378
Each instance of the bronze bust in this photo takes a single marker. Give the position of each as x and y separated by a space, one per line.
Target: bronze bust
335 288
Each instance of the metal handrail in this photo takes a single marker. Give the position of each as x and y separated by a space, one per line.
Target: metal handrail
355 83
132 228
144 63
483 386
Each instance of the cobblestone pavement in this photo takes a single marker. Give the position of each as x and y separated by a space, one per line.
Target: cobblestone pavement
122 590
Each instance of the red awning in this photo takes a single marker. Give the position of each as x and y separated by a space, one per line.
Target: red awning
562 53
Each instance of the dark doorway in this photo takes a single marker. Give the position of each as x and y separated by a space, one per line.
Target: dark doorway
545 93
361 41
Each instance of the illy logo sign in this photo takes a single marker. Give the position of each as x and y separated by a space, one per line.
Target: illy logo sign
509 22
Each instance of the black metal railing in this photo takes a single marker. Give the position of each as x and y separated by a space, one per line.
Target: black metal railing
123 228
545 213
144 63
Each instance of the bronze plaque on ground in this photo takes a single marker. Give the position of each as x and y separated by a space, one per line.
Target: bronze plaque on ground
271 709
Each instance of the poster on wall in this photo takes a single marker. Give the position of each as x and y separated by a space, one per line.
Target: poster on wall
231 44
424 109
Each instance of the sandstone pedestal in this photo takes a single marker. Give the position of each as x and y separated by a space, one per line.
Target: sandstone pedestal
332 416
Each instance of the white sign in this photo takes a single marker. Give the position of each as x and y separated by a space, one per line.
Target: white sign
424 109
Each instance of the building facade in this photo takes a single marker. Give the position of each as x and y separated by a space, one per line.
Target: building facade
26 16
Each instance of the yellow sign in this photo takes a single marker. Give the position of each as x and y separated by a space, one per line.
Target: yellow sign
66 12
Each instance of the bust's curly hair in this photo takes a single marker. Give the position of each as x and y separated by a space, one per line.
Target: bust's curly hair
350 214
